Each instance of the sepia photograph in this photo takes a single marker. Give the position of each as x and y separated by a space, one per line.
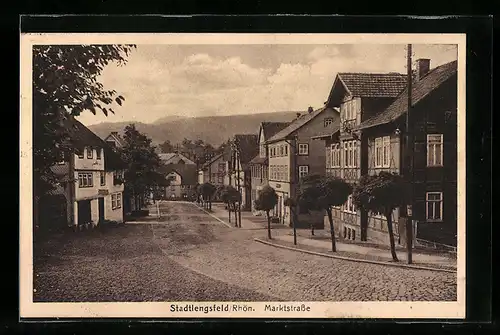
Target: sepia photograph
242 175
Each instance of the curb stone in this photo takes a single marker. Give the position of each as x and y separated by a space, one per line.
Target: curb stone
415 267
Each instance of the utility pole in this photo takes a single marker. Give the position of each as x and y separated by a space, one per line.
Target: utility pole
410 147
237 162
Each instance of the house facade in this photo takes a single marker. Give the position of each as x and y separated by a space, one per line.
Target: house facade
215 171
434 126
259 166
292 155
182 181
243 148
92 182
359 96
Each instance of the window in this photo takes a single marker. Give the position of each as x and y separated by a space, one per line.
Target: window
434 211
222 167
328 122
98 153
303 149
85 179
382 151
328 157
103 178
349 207
116 200
435 150
90 153
286 150
355 153
80 153
303 170
62 161
172 188
335 152
349 110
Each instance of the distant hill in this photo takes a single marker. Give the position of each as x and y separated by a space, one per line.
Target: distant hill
213 129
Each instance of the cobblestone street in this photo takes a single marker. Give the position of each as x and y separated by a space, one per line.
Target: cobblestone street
190 255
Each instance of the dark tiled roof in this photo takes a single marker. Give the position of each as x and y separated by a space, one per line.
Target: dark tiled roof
187 172
271 128
296 124
420 89
373 85
247 145
335 129
80 137
259 160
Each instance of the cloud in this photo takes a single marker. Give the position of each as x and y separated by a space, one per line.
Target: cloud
199 83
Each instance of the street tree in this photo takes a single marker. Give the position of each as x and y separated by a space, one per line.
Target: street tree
382 194
266 200
230 196
322 193
207 191
66 82
142 164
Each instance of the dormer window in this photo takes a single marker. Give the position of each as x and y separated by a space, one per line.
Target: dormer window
98 153
90 153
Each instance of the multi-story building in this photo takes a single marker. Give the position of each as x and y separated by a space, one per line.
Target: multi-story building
182 180
434 126
259 166
215 171
378 132
293 154
92 181
243 148
359 96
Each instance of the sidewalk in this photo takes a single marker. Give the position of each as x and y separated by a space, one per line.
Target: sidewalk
366 252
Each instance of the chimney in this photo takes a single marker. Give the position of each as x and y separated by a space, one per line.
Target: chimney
310 109
422 68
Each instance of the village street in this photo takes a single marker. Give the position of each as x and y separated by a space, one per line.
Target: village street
190 255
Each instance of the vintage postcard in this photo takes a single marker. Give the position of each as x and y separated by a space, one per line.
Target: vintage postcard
242 176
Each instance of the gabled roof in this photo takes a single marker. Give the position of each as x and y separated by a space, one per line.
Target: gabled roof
247 146
187 172
297 124
168 158
211 161
116 137
420 89
271 128
366 85
257 160
80 137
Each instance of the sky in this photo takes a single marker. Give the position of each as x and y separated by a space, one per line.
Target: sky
205 80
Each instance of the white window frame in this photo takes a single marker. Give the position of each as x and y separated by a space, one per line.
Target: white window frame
102 177
116 201
382 145
90 153
432 159
430 217
85 179
286 150
303 149
303 170
98 153
335 151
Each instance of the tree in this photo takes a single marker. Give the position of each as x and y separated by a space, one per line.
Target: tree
142 164
321 193
292 204
166 147
382 194
65 81
230 196
266 200
207 191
